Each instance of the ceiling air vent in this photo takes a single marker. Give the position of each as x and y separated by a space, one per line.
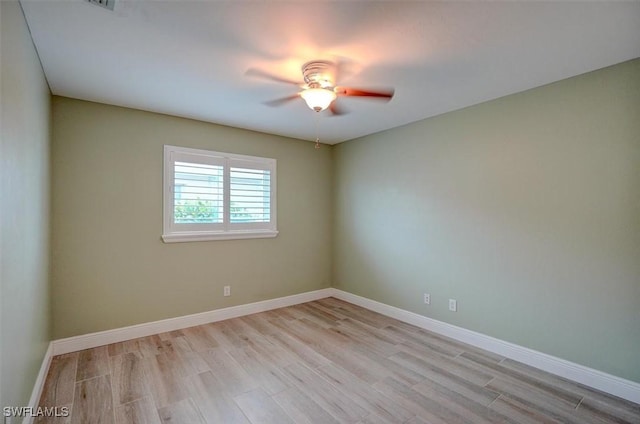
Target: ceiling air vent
107 4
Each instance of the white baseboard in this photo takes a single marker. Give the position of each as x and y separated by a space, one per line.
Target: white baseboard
91 340
589 377
39 384
599 380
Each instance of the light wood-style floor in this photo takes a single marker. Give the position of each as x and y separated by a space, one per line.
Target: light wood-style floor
321 362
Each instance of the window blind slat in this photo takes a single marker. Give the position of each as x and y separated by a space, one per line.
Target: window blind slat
197 193
250 195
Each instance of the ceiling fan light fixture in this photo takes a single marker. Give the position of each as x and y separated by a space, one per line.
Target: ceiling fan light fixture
318 99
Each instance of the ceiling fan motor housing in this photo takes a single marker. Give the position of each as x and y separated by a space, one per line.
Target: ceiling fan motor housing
318 74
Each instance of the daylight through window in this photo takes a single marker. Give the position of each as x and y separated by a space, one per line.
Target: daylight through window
212 195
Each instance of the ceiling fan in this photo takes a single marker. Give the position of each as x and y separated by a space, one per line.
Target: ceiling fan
319 89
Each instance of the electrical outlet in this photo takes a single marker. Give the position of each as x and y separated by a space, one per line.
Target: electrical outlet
427 299
227 290
453 305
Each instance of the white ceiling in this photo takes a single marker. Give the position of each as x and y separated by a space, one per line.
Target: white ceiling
189 58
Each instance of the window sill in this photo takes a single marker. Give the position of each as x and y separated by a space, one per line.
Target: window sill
209 236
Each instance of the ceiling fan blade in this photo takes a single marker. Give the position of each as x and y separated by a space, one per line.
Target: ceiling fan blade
335 110
358 92
253 72
281 101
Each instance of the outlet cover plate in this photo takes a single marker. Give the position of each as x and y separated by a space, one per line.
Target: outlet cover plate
453 305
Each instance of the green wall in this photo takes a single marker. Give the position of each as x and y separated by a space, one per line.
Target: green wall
24 209
525 209
109 266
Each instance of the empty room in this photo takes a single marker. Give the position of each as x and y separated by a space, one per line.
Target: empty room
319 212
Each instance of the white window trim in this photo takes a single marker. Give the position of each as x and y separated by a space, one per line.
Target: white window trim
226 231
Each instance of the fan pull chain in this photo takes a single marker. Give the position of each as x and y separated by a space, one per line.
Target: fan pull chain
317 146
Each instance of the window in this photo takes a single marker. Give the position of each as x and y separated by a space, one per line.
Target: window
217 196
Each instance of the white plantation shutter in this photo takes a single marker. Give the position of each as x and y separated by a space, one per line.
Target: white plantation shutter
212 195
250 195
198 196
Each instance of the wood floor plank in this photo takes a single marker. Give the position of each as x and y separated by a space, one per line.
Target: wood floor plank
461 405
363 316
260 323
385 366
261 409
92 363
140 411
325 361
132 346
214 400
115 349
128 379
268 377
333 348
349 309
59 385
380 348
152 345
184 411
231 336
318 316
165 382
428 365
473 392
376 419
371 337
327 312
271 353
364 395
282 313
301 351
512 375
455 344
453 381
294 312
302 409
228 371
421 406
93 402
170 334
417 420
370 331
199 338
304 313
325 394
608 413
223 335
327 336
187 361
333 303
520 413
554 408
241 329
602 400
414 338
503 385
